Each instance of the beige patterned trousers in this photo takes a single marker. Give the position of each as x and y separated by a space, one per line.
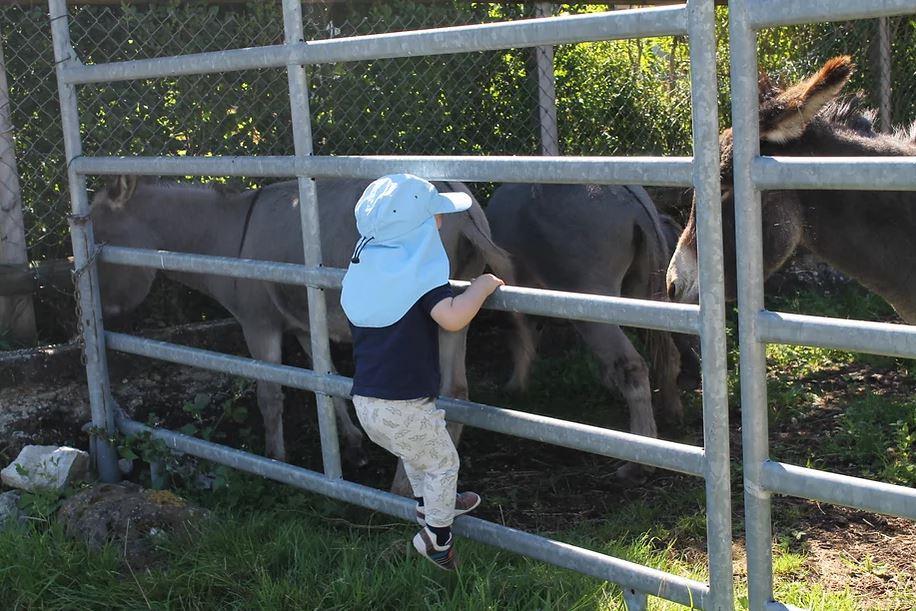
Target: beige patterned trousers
414 431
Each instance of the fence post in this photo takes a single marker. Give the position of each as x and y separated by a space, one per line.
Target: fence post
89 303
701 21
885 75
748 232
311 239
17 315
547 95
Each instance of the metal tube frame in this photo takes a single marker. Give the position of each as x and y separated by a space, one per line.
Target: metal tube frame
568 29
660 171
644 313
757 326
696 19
104 457
311 239
606 442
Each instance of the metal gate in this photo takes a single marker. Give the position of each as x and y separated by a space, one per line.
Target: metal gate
695 19
758 327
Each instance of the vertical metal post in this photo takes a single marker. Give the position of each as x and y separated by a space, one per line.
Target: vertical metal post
311 238
89 304
547 93
748 233
16 312
634 600
885 77
705 118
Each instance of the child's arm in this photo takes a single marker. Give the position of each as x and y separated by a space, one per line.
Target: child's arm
454 313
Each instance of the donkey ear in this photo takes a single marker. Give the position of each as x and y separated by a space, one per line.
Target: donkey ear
121 189
784 117
766 88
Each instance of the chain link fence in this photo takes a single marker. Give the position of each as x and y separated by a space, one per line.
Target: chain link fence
612 98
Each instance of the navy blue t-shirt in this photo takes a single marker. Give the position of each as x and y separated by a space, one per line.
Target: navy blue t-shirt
400 361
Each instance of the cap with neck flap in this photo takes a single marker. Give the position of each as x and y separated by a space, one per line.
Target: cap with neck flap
399 256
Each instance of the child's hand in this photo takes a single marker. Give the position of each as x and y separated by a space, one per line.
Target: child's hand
453 314
488 283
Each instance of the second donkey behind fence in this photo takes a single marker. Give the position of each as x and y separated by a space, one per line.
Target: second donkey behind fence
606 240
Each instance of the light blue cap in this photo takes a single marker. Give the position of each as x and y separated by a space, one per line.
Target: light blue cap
399 256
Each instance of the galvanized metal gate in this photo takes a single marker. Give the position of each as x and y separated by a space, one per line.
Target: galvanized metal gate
758 327
695 19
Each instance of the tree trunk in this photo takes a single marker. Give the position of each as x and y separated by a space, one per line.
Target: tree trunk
17 315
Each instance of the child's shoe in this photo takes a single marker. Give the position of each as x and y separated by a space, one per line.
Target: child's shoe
442 556
464 502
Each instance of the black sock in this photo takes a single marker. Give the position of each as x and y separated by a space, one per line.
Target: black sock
419 500
443 534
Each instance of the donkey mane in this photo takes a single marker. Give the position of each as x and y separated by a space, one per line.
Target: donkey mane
113 186
850 111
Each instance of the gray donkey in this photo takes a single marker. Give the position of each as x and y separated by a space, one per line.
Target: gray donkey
607 240
264 224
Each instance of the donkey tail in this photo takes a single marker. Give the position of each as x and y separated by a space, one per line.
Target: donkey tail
664 358
477 232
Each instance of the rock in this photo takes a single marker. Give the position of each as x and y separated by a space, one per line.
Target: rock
133 518
46 468
9 509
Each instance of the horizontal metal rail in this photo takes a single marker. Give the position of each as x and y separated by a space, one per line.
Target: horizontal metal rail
625 311
778 606
856 173
567 29
651 581
768 13
644 313
253 269
669 455
659 171
839 333
845 490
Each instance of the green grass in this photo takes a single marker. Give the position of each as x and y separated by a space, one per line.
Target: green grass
844 301
307 552
879 437
271 547
302 551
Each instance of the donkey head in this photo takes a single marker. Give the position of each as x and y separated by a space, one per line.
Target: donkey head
114 222
791 123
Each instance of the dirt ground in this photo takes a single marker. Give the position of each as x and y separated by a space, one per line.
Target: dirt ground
529 485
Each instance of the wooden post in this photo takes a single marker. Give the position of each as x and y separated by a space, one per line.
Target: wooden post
884 75
547 95
17 315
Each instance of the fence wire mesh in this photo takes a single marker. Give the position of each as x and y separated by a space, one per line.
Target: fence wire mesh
612 98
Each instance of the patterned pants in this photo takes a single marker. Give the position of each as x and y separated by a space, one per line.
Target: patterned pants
414 431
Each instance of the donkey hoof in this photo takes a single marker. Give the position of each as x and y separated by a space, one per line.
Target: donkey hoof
356 456
688 381
632 474
401 487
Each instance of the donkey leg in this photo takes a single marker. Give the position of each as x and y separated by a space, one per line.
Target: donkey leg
666 366
526 337
688 347
265 344
452 367
624 368
354 452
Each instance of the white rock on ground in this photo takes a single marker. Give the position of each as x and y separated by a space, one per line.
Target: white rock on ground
46 468
9 509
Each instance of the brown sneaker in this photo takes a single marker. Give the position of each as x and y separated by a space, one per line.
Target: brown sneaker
464 502
443 556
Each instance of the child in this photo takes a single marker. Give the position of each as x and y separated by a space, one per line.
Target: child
396 296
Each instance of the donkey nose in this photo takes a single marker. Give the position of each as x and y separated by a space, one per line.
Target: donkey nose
672 291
